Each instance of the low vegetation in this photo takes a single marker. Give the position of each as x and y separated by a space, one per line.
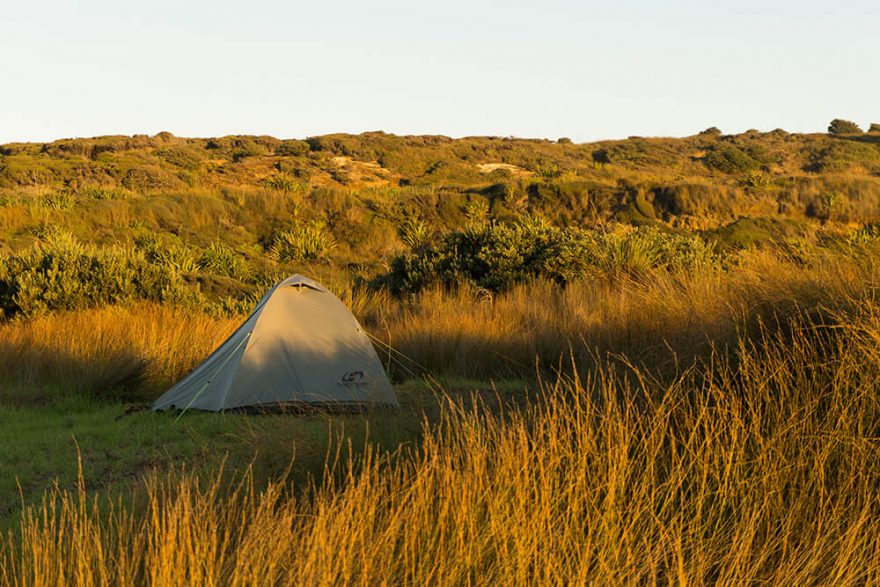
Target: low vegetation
650 360
758 467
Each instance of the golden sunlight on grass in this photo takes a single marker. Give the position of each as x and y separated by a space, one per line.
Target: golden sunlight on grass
102 351
758 469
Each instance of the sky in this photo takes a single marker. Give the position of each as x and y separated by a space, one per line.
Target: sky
587 70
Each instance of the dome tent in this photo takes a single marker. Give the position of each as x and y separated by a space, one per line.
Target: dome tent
300 345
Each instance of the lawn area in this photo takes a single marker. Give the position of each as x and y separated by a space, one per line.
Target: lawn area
44 444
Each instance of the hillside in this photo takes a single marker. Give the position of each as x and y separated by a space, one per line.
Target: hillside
709 175
229 215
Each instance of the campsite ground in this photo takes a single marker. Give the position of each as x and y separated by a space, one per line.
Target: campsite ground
114 445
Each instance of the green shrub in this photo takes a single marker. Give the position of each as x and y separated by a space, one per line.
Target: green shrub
219 259
183 156
148 177
307 242
98 192
757 232
60 273
840 126
601 157
496 256
248 148
548 170
60 200
843 155
730 159
755 180
284 183
414 232
869 233
174 255
292 148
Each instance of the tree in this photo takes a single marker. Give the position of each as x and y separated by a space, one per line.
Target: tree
840 126
712 131
875 127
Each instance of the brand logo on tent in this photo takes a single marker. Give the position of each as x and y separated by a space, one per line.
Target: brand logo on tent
353 379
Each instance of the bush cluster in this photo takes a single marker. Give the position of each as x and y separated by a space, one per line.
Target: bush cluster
730 159
497 256
61 273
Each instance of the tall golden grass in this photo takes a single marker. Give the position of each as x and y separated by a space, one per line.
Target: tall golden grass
137 350
659 321
719 427
758 470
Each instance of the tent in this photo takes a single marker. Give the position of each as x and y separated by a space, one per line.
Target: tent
300 345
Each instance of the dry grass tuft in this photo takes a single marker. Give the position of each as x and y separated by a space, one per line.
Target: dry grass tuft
104 352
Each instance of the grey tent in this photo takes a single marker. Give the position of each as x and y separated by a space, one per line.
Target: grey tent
300 345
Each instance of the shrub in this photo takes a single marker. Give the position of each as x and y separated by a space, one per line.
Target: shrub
841 156
730 159
60 273
148 177
712 131
822 207
497 256
292 148
60 200
414 232
601 157
757 232
548 170
308 242
248 148
283 183
97 192
185 157
755 180
840 126
222 260
174 255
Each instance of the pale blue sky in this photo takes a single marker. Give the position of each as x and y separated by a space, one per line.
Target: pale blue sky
587 70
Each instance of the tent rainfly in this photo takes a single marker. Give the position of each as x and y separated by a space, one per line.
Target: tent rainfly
300 345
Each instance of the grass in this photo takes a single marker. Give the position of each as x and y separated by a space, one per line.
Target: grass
761 470
113 448
659 322
118 352
710 427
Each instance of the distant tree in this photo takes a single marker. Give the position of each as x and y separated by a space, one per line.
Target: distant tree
840 126
713 131
564 141
875 127
601 157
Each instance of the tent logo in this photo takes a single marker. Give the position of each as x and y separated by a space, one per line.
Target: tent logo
353 379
